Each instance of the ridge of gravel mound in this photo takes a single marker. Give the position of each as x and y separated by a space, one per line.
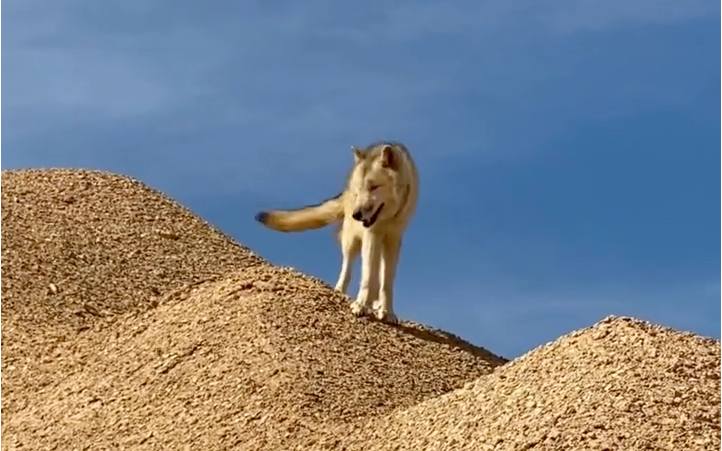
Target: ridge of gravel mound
621 384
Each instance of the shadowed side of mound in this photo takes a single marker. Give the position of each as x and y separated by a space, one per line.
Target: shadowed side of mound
621 384
264 359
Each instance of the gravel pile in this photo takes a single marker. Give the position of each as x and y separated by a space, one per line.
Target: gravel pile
622 384
130 323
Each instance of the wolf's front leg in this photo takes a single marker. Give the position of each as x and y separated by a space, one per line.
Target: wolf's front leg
371 260
383 309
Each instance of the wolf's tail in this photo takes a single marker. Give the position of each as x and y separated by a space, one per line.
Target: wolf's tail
306 218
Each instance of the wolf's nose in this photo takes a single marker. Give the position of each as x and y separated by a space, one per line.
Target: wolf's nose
356 215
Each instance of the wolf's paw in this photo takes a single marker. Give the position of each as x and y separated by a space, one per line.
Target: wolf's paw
385 315
358 308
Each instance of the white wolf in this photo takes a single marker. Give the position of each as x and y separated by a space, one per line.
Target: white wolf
374 211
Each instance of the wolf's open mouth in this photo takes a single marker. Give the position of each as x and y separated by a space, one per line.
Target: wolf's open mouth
372 220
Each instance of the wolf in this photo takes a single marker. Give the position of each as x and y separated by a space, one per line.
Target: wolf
373 211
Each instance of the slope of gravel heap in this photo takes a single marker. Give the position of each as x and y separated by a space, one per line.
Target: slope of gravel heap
622 384
263 359
128 322
78 245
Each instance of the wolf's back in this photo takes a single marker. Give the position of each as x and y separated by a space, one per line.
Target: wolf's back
305 218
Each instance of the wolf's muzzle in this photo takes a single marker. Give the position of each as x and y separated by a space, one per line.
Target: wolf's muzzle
359 216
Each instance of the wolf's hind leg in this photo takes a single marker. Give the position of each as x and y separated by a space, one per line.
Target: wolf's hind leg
350 247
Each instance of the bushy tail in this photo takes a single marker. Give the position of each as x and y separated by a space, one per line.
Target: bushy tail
306 218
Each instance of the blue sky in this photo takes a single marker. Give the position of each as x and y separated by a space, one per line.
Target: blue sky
568 150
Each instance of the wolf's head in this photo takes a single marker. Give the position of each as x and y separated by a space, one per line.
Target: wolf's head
374 183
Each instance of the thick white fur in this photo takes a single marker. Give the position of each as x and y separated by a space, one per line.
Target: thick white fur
383 177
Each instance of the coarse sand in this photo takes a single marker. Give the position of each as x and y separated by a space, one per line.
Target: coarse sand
130 323
623 384
187 338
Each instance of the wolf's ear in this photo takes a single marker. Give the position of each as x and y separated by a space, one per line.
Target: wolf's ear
357 154
388 157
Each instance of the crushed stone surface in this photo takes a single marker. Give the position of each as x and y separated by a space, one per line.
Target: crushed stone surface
130 323
89 244
623 384
82 246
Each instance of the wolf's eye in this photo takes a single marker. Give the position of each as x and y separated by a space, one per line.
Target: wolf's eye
373 187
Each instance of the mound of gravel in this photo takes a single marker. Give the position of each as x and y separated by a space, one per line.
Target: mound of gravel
128 322
622 384
78 245
264 358
82 246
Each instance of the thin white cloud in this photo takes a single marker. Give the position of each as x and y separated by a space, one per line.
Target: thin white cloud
408 20
111 84
599 15
125 72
